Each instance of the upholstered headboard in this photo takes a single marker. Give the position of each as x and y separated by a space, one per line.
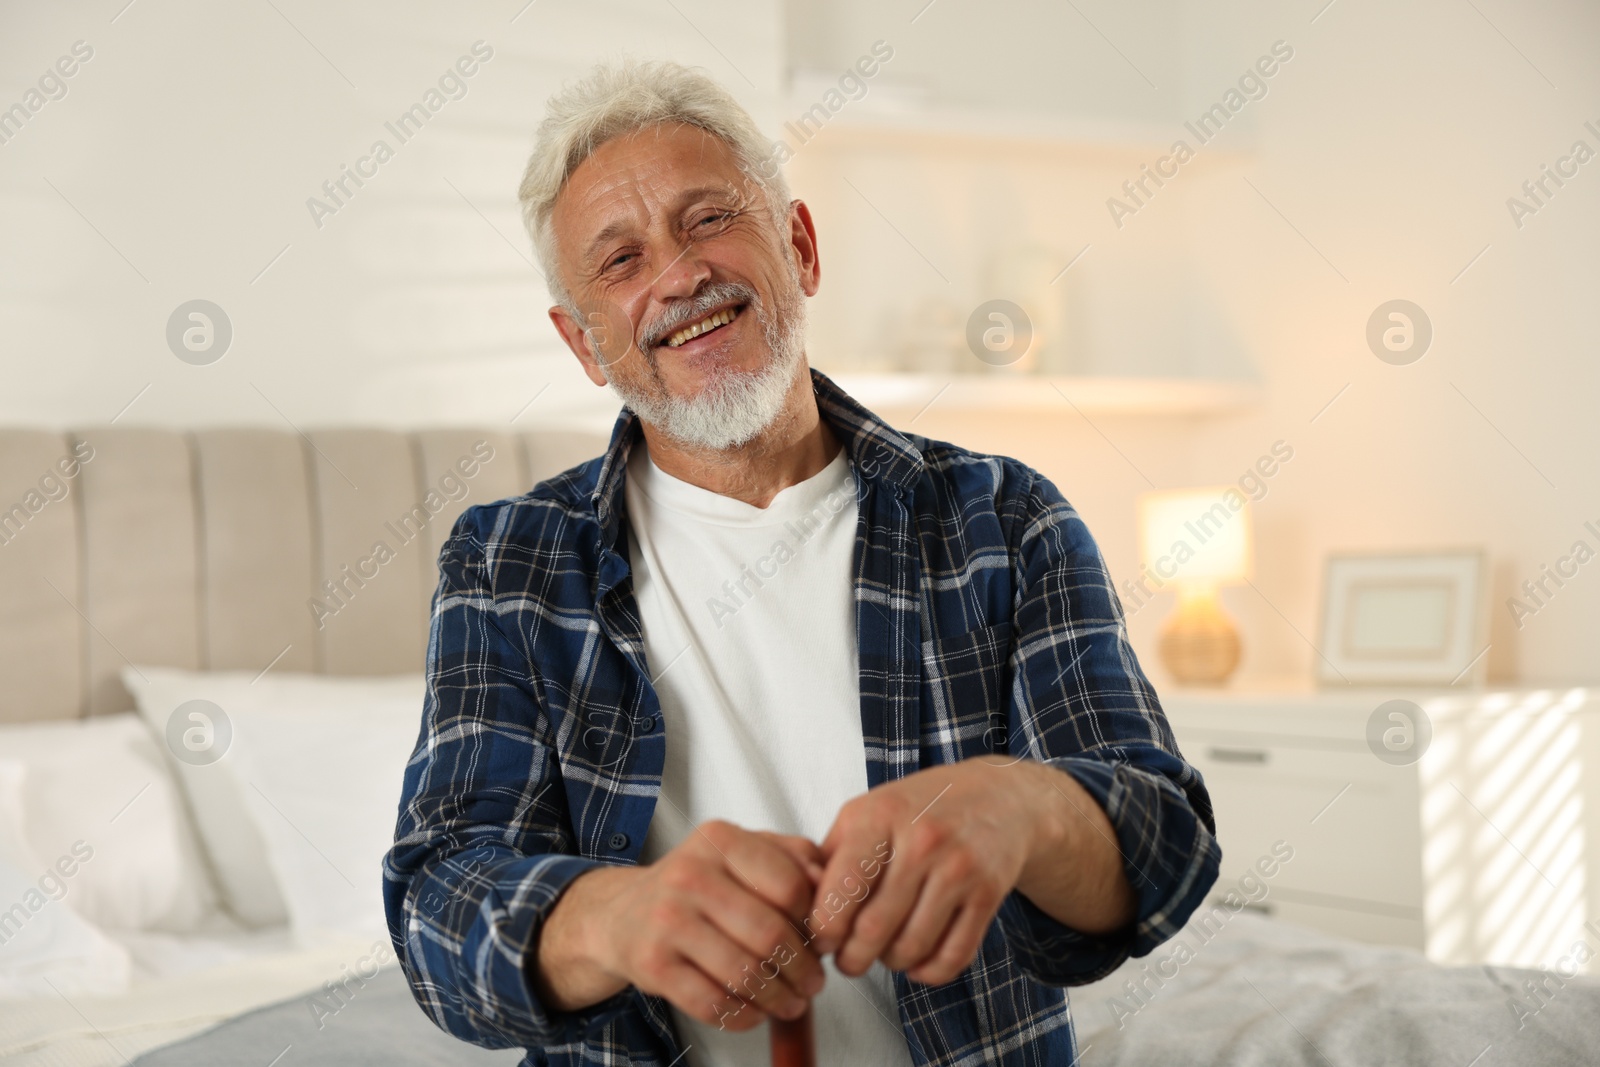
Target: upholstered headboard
211 549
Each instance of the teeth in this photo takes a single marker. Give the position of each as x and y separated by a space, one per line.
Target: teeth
689 333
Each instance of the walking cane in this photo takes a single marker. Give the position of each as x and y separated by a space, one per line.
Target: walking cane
794 1043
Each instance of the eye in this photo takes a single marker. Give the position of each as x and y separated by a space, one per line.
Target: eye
618 259
718 216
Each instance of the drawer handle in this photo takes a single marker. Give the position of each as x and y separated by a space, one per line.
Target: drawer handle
1239 755
1260 907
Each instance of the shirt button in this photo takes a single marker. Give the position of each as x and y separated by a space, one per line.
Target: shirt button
648 723
618 842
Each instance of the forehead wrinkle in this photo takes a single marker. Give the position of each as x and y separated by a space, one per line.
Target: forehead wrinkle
624 180
626 192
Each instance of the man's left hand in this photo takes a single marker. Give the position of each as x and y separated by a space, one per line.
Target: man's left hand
950 843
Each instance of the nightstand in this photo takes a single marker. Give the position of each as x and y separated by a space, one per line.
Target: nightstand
1476 852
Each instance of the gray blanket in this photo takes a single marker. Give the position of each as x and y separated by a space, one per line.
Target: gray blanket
1259 993
1263 992
379 1026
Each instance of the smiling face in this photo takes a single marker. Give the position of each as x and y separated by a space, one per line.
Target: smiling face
689 294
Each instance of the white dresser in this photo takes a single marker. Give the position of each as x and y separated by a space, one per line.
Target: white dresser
1475 852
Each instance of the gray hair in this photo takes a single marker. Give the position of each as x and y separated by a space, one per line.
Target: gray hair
617 99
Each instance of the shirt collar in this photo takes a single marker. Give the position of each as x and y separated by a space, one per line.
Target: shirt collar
879 453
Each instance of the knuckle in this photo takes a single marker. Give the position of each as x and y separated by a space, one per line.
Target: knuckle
961 863
955 957
770 934
653 961
682 876
713 1012
987 896
902 955
872 927
661 914
897 806
740 1019
928 836
796 896
858 811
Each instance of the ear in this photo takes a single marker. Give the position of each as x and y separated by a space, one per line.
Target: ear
803 241
582 343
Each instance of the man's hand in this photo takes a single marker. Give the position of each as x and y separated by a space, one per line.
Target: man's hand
721 910
960 838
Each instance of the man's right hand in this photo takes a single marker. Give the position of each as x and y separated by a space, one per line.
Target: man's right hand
725 908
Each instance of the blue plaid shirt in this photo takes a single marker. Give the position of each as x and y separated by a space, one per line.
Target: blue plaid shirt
986 622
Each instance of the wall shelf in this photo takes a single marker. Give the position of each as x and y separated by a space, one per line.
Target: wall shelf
1029 392
949 127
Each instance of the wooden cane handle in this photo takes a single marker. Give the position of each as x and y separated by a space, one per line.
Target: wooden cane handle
794 1043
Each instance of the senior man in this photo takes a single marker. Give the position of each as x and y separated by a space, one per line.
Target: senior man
770 705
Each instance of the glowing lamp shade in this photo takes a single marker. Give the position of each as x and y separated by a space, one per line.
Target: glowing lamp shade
1196 537
1196 540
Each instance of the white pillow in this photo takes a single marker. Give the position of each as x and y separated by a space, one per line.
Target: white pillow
297 803
324 790
45 947
104 781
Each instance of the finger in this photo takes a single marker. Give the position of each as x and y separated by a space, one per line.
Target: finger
802 850
835 902
881 915
692 992
765 933
943 893
959 946
723 894
762 865
855 865
853 856
750 976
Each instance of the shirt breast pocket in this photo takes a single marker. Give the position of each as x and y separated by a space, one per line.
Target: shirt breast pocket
966 687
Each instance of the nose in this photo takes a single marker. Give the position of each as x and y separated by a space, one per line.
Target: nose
683 274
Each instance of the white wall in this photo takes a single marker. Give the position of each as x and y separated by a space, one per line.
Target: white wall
191 142
1392 141
1027 56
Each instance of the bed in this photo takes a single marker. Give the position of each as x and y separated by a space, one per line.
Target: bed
1266 992
1261 992
184 880
237 566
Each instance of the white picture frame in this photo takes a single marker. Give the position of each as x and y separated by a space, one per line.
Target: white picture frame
1410 618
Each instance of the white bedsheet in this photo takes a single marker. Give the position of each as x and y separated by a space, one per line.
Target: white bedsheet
157 955
182 985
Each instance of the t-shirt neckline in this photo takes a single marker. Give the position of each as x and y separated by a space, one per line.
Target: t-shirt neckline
686 498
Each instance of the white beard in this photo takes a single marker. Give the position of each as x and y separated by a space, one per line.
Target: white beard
736 408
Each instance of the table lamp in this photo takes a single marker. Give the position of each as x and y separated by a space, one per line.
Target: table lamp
1195 540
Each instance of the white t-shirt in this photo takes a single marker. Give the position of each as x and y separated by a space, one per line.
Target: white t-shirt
749 630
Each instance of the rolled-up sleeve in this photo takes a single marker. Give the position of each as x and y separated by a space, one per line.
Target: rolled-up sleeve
1080 702
484 844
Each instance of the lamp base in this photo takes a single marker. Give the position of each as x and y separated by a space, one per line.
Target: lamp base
1199 643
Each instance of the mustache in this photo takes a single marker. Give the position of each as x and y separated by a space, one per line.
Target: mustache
692 309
